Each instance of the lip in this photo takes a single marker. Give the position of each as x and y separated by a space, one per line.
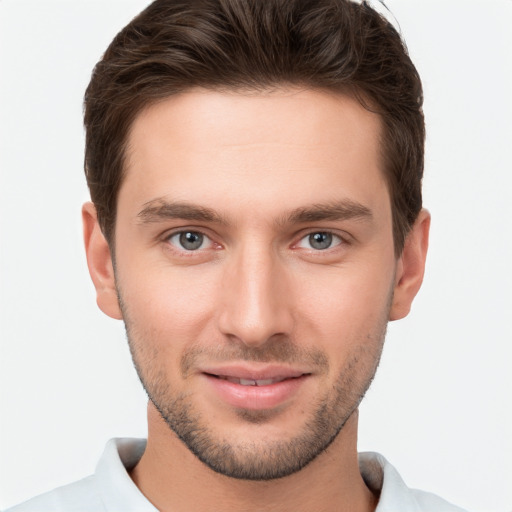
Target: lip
278 384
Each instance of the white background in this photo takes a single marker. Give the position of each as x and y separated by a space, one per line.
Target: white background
440 408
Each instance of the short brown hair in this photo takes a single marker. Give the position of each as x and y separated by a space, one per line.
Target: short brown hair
174 45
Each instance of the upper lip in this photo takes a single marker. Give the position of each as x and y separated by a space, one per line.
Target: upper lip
254 372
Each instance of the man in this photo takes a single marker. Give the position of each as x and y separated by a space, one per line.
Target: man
256 220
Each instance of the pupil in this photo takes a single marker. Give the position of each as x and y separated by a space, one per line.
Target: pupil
320 240
191 240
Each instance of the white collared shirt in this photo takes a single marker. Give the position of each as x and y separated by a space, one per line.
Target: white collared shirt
110 488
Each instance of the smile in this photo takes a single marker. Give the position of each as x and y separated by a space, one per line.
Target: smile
252 382
248 388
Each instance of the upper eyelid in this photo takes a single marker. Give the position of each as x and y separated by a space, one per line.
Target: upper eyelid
343 235
166 237
180 254
343 240
188 229
297 237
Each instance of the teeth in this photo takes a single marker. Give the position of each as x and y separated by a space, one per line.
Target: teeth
266 382
248 382
252 382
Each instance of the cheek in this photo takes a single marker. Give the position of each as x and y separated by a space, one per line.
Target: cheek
166 304
346 305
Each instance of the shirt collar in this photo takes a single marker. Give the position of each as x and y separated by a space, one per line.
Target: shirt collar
119 493
384 481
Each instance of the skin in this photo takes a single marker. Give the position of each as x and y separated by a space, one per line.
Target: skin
249 171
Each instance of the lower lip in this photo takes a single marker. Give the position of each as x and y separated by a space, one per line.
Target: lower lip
255 397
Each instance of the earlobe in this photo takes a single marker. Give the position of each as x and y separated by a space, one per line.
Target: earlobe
99 261
411 267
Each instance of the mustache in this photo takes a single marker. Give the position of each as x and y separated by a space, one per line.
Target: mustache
281 350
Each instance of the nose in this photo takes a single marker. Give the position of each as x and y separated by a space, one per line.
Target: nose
257 304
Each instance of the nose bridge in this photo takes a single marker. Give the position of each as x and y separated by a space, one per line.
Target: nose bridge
255 305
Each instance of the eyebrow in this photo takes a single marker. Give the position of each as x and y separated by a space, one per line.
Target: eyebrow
337 210
159 210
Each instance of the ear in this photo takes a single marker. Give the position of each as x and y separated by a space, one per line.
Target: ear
99 261
411 267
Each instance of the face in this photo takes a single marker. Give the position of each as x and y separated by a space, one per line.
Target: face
255 270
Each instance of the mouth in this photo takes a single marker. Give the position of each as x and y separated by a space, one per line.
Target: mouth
252 382
255 389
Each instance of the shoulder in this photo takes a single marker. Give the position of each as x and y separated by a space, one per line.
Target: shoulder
80 496
109 489
384 480
430 502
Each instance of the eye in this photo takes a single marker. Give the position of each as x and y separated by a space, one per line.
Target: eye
190 240
320 241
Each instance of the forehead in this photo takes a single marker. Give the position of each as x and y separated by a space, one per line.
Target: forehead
305 145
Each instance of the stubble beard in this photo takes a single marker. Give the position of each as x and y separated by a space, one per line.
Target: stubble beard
262 460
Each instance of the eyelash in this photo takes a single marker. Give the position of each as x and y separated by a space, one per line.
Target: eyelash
189 252
337 240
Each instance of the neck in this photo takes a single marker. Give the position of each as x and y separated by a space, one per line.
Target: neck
173 479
